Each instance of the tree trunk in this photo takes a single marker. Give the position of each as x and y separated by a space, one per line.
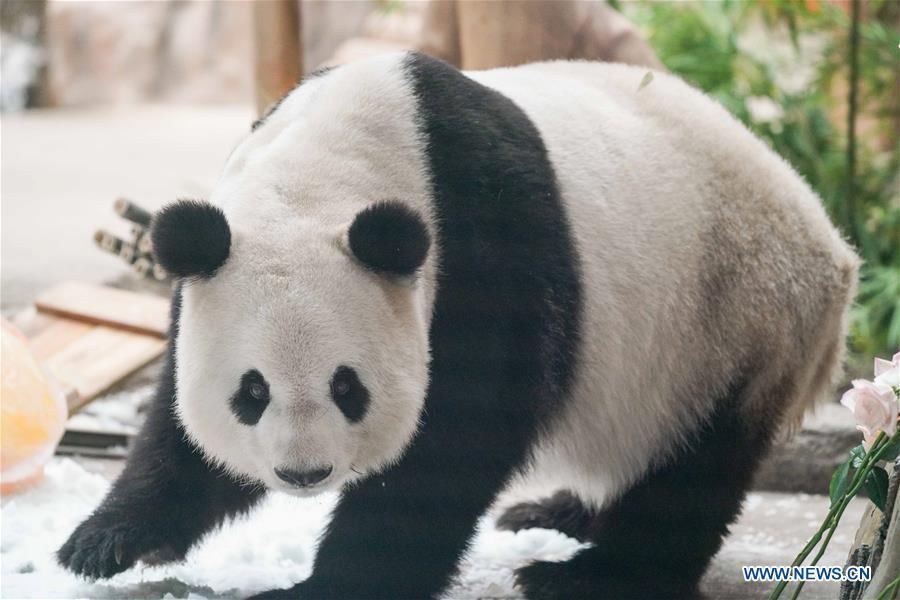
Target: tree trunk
496 34
279 50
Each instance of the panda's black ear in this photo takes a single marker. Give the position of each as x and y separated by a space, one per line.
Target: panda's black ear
390 238
191 239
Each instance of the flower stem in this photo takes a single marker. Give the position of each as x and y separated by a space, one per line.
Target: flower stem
890 590
834 515
833 527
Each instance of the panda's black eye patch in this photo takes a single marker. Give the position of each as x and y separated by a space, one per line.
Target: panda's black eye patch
251 398
349 393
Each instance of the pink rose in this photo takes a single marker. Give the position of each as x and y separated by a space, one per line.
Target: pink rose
887 372
874 408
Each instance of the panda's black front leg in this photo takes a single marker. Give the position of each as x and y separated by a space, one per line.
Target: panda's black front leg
401 534
165 500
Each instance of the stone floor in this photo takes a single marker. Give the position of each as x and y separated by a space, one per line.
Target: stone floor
61 171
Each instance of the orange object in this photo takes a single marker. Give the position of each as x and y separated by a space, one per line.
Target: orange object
33 414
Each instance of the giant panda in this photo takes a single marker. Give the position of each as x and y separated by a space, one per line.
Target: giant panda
414 285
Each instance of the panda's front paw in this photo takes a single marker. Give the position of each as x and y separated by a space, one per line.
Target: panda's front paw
104 545
586 576
542 580
292 593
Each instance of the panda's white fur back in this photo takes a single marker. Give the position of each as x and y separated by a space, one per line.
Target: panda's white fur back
646 171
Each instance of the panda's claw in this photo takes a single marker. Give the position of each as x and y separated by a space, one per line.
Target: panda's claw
94 551
118 552
103 546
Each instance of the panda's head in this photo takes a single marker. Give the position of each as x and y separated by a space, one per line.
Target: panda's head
302 349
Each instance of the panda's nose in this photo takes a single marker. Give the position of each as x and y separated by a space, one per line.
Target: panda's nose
303 478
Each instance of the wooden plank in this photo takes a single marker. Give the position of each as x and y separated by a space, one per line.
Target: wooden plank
95 361
100 305
56 336
31 322
85 359
278 46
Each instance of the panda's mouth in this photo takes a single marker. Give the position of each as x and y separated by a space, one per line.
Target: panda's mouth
307 479
304 478
303 492
304 485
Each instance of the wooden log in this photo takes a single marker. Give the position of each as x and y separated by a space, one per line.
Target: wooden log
278 60
492 34
440 32
498 34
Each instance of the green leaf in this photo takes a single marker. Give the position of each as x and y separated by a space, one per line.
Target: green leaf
839 482
857 455
877 487
891 449
645 81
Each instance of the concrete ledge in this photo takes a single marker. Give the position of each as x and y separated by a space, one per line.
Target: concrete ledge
805 462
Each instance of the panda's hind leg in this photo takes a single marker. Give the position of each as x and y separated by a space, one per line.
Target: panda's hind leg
563 511
656 540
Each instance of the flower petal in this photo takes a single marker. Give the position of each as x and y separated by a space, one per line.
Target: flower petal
882 366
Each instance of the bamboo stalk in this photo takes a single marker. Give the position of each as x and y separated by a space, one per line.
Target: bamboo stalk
134 213
145 243
143 267
159 273
128 253
108 242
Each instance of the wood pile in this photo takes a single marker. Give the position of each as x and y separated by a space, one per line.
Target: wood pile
89 337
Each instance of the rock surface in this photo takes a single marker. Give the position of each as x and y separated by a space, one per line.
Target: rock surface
805 462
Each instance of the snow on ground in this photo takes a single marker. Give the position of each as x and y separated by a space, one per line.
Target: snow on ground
117 412
272 547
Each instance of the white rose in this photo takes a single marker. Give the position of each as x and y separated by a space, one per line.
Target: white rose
874 407
887 372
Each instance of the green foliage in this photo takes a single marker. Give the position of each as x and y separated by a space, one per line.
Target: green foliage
876 478
741 51
839 483
892 450
857 454
877 487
